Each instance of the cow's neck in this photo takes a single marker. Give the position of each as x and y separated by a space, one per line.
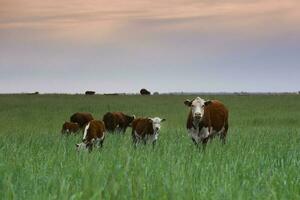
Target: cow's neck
198 124
195 123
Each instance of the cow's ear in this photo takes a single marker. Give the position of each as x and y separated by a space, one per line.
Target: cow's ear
133 116
207 102
77 145
188 103
150 119
163 120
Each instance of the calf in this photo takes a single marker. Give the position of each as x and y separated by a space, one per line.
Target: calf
94 134
117 121
206 119
144 129
70 127
82 118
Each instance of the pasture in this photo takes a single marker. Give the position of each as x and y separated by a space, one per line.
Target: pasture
261 159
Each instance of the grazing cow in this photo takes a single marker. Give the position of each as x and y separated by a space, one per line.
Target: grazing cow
94 134
206 119
90 92
146 129
82 118
117 121
34 93
70 127
144 92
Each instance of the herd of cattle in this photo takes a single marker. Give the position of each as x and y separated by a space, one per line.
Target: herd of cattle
206 119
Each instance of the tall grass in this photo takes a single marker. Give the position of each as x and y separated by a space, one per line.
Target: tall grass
261 159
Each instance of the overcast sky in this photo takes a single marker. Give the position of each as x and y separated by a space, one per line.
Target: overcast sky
166 46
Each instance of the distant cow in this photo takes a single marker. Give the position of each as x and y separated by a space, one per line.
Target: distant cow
93 136
70 127
34 93
117 121
82 118
146 129
90 92
144 92
206 119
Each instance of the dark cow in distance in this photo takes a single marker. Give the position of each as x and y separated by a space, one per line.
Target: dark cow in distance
206 119
90 92
82 118
93 136
117 121
144 92
69 128
146 129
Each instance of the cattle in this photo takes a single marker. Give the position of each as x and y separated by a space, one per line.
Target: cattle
34 93
93 136
69 128
146 129
90 92
82 118
117 121
144 92
206 119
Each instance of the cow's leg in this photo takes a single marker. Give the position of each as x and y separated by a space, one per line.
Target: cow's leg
123 131
134 140
204 142
153 143
101 143
144 141
223 137
223 134
90 146
197 144
194 141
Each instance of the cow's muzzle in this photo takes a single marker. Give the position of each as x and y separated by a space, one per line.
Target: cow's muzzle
198 115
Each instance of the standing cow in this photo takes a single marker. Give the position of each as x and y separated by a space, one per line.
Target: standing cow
117 121
206 119
82 118
144 92
94 134
146 129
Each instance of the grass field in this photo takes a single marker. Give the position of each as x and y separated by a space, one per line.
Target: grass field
261 159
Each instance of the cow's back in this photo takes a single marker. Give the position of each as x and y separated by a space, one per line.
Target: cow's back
119 117
96 129
81 118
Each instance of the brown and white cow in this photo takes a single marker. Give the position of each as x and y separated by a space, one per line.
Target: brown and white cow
206 119
94 134
146 129
82 118
117 121
69 128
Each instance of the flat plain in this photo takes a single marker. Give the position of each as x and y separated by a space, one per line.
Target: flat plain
261 159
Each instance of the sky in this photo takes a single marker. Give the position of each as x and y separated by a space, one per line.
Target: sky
64 46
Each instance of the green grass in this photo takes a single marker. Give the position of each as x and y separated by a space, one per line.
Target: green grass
261 159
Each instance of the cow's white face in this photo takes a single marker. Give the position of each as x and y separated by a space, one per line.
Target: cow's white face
197 107
81 146
156 123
